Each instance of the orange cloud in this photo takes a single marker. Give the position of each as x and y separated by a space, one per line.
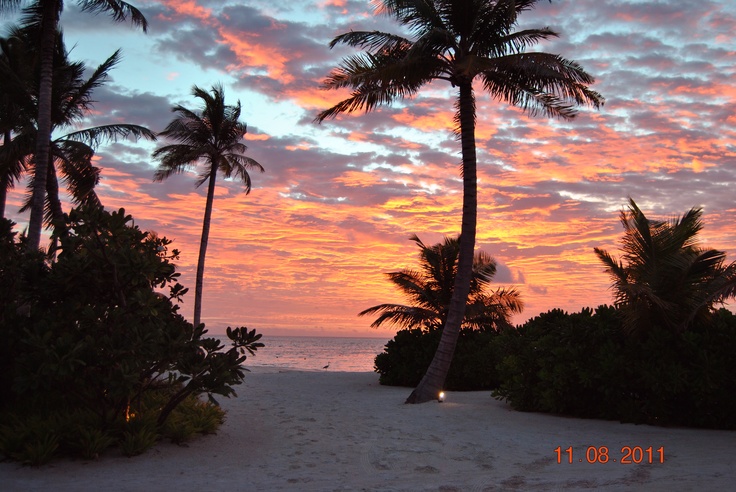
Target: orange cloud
189 8
250 53
438 120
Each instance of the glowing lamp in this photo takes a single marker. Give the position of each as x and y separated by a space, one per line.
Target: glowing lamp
441 397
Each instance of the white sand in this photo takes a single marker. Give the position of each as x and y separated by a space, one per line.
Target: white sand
343 431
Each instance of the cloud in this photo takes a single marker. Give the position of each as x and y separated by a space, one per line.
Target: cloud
309 245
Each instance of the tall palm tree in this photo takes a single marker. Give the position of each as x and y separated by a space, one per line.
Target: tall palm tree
45 14
458 41
429 291
70 155
213 136
665 279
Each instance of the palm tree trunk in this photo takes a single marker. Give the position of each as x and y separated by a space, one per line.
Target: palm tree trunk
52 188
57 213
203 244
4 183
4 178
434 379
49 27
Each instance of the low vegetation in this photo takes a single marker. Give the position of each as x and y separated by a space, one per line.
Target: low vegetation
662 355
585 364
406 358
96 353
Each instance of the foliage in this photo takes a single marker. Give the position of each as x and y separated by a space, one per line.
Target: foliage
39 451
30 440
584 364
405 359
138 441
429 291
92 442
34 435
664 278
93 330
18 268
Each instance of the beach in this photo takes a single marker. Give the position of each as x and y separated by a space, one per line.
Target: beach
342 431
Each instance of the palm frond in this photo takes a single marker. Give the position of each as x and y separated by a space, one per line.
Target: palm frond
14 159
403 316
379 78
515 42
175 159
664 278
539 83
496 20
237 166
110 133
370 40
413 286
31 18
429 291
79 98
418 15
78 172
117 9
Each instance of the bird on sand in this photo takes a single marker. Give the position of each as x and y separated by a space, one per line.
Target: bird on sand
328 365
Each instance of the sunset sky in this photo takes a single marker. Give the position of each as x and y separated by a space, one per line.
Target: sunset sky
307 249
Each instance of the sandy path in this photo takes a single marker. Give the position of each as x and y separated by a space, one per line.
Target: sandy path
342 431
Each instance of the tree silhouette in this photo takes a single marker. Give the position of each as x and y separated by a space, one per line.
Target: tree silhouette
214 137
459 42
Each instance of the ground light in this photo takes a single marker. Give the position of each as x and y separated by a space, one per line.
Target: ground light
441 397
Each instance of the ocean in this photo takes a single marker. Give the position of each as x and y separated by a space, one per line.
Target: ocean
314 353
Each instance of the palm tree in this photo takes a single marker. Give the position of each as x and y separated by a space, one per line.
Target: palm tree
213 136
45 15
70 155
458 42
665 279
429 292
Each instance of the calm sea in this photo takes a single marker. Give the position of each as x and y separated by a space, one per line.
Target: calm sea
314 353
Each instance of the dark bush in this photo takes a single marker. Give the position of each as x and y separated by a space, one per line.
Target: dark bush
581 364
406 358
17 269
97 328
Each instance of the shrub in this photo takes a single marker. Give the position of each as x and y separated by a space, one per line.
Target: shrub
92 334
91 442
138 441
192 417
406 358
18 268
582 364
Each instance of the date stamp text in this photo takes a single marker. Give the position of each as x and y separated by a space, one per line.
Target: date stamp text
601 454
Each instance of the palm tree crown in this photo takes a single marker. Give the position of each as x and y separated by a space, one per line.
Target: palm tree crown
458 41
213 136
664 279
429 290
